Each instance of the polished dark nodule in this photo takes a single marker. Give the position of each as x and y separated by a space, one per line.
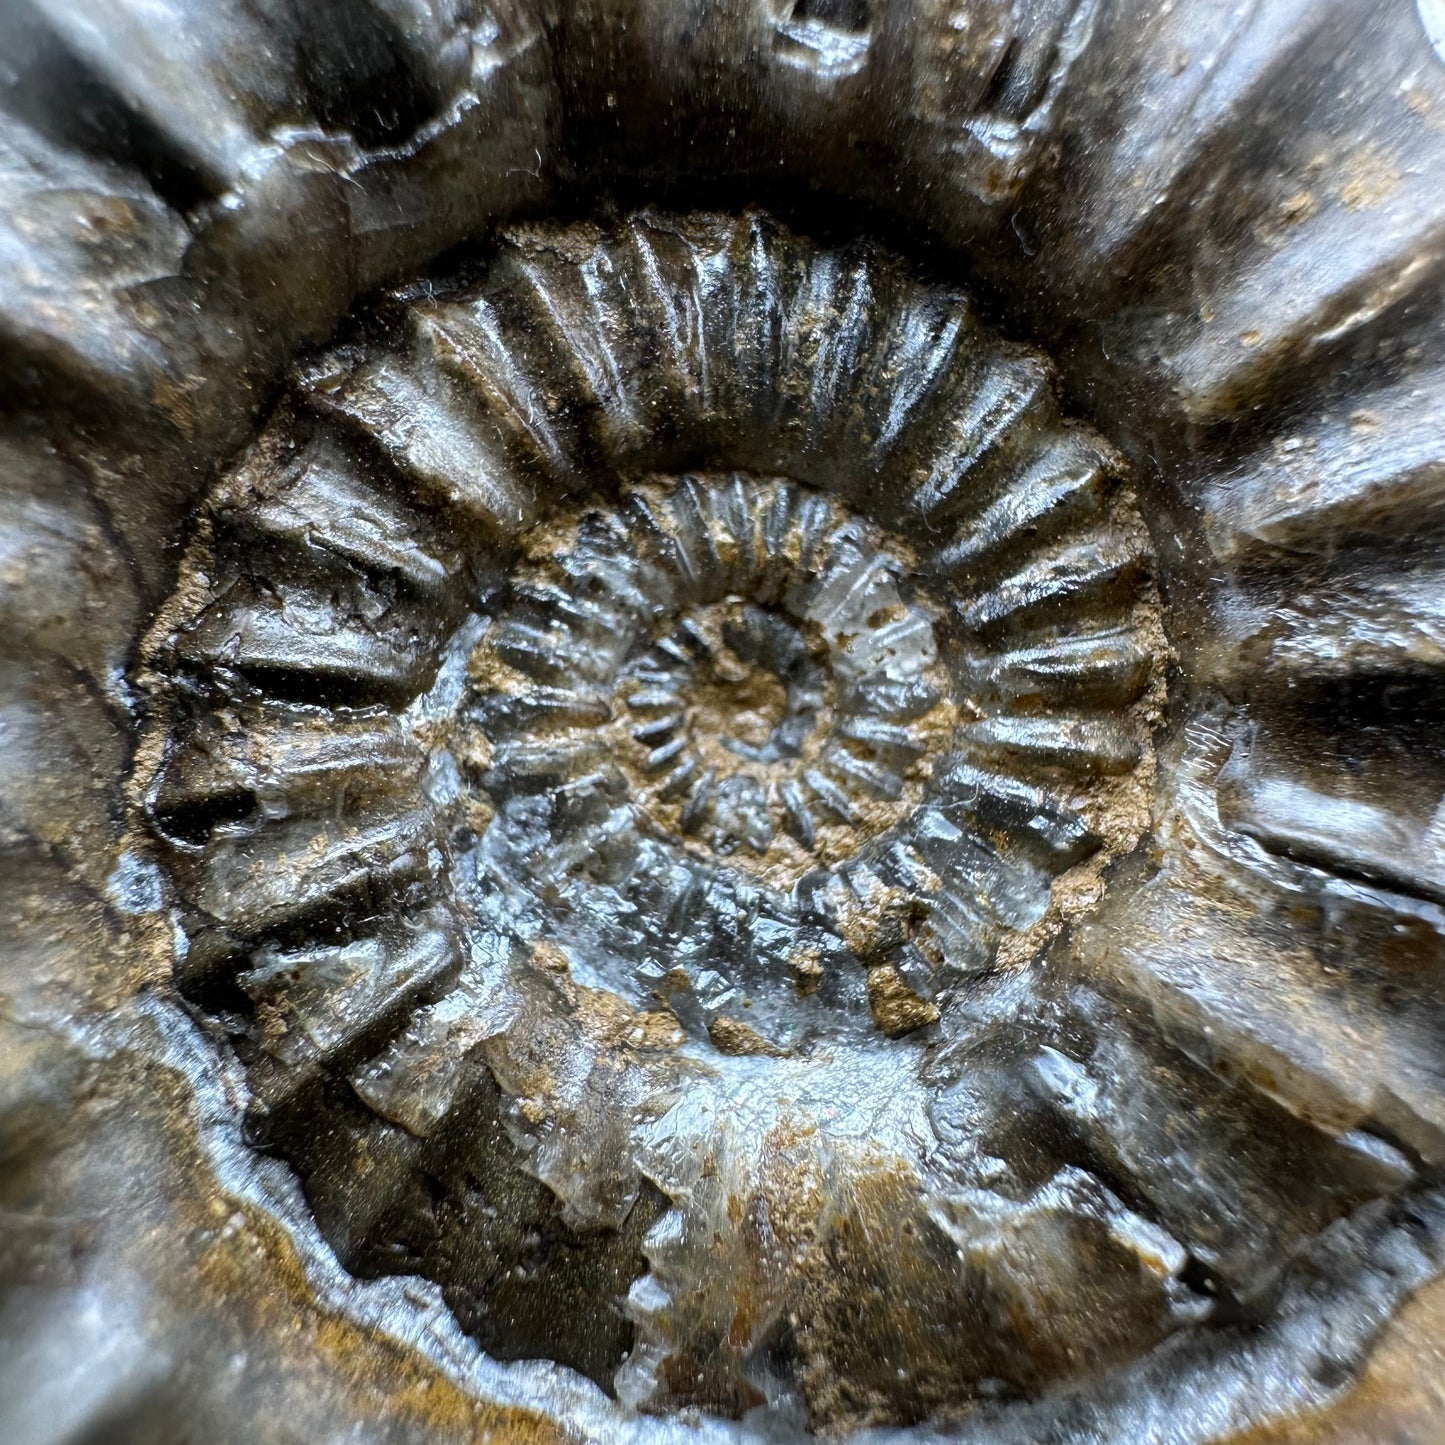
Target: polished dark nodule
650 798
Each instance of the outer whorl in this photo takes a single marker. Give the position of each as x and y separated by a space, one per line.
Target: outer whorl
817 816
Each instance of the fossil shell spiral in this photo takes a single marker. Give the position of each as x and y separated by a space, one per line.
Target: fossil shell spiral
508 779
719 721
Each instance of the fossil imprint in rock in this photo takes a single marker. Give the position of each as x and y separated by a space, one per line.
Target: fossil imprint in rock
625 885
719 721
610 856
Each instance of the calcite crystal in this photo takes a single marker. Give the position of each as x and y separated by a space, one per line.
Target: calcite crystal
721 720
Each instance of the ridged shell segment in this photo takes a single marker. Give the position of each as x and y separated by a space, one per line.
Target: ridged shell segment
626 737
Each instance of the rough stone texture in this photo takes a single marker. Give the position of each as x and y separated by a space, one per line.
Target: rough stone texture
1194 1096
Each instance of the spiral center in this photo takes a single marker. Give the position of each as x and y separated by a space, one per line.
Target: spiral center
757 690
737 696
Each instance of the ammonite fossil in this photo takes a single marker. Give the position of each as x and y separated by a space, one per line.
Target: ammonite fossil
722 721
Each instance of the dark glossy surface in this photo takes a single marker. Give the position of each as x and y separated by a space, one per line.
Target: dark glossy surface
1093 960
